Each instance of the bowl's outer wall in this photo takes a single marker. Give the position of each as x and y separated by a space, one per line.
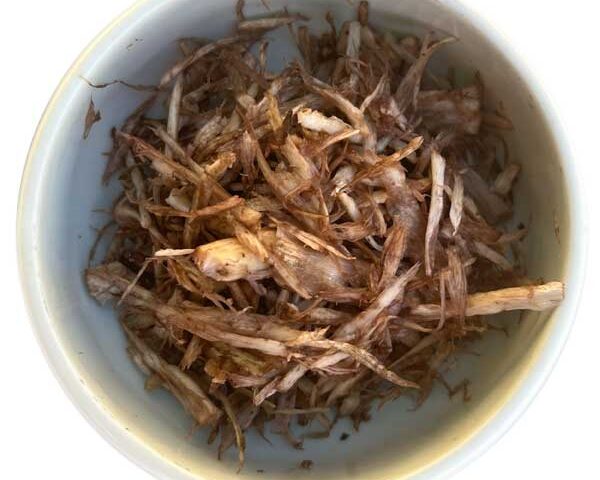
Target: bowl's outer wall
61 194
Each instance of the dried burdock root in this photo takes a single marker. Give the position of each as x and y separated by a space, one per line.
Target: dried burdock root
301 243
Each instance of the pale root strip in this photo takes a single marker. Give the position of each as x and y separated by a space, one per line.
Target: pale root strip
173 252
504 181
364 358
173 116
181 385
316 121
456 203
270 23
438 165
209 211
493 256
537 298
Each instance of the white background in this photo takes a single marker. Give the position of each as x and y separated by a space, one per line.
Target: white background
42 434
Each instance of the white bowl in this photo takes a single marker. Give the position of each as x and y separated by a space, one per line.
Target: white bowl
61 189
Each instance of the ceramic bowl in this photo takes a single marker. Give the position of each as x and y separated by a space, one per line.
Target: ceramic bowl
61 194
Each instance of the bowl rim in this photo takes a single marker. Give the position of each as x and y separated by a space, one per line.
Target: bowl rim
480 440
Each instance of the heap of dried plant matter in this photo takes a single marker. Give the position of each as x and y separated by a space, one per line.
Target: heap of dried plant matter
293 246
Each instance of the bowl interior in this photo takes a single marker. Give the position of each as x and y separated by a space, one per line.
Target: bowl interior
63 210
